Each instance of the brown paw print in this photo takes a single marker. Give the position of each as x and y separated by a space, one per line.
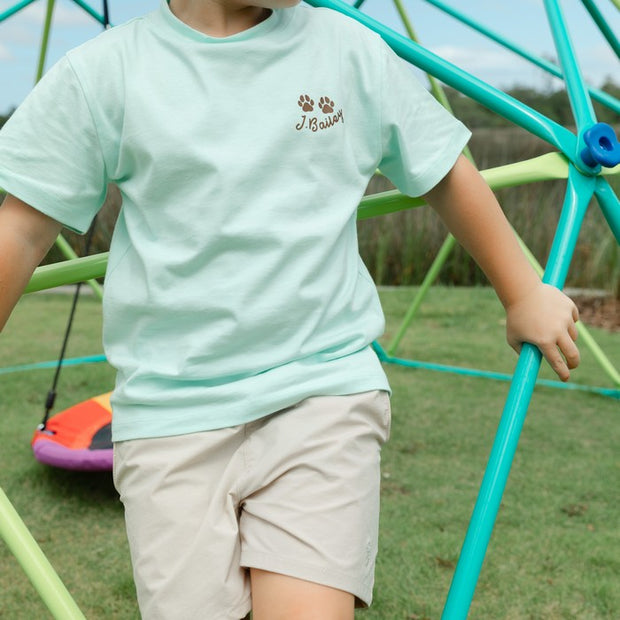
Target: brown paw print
326 105
305 103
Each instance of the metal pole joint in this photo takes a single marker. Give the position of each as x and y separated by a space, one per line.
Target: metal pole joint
602 147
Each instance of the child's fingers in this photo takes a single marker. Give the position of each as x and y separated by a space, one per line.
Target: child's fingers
562 357
569 350
572 332
555 359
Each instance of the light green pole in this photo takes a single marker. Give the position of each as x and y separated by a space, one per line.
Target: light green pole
49 13
34 563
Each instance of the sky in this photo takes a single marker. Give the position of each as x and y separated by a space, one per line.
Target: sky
522 21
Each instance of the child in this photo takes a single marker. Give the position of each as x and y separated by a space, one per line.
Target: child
249 409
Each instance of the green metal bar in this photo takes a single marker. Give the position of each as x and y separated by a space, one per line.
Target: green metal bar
601 96
359 3
436 88
431 276
616 4
499 102
63 245
579 191
15 9
577 94
604 362
602 24
543 168
45 39
34 563
68 272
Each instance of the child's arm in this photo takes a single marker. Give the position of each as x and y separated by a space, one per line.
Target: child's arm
25 237
536 313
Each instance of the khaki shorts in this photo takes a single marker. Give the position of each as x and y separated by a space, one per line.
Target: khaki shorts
296 493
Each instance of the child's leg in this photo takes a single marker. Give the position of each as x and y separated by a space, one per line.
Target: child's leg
278 597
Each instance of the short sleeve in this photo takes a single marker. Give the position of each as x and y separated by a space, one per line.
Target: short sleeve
421 140
50 154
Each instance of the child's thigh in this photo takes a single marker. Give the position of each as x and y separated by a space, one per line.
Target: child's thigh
182 524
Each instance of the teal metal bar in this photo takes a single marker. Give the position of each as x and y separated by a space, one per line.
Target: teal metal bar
609 204
493 484
602 24
358 3
499 102
15 9
579 100
579 191
91 11
75 361
485 374
601 96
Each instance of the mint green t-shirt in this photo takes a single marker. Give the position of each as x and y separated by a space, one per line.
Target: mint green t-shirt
234 287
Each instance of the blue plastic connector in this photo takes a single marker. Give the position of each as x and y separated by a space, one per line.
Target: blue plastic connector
602 146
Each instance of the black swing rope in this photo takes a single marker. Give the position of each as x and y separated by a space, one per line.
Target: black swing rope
51 395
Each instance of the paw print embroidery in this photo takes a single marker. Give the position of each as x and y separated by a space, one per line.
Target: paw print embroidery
327 105
305 103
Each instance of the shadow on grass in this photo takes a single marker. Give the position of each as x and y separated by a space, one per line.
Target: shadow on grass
84 487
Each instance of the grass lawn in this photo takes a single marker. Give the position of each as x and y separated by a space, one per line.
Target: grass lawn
555 551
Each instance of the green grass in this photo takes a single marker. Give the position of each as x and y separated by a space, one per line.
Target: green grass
555 549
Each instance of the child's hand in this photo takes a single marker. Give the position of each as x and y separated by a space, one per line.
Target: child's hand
545 317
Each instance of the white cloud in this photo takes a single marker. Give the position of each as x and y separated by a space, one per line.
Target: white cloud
598 63
504 69
475 60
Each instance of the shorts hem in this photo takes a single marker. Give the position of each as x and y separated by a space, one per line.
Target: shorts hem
241 611
309 572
